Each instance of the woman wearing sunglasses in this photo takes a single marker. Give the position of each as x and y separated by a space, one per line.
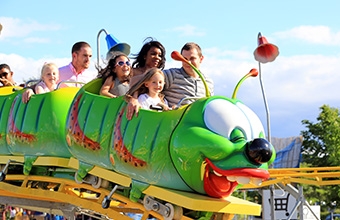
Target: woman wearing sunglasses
6 76
116 76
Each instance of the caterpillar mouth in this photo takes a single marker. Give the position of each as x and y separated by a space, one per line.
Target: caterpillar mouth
222 183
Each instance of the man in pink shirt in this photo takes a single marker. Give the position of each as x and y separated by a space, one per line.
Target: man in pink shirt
76 70
73 72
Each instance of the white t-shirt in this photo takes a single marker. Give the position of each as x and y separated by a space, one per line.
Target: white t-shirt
145 101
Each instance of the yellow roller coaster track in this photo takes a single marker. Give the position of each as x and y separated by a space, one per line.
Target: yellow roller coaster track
319 176
63 192
66 192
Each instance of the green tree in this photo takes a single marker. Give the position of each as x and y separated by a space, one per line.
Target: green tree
321 142
321 148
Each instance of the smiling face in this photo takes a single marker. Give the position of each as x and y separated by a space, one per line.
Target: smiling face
153 57
81 59
193 56
155 84
50 75
6 77
229 152
122 67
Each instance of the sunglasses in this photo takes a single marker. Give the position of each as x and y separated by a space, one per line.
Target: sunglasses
121 63
4 74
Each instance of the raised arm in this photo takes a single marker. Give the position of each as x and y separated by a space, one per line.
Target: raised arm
5 82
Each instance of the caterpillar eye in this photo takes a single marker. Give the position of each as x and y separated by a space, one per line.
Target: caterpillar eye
224 117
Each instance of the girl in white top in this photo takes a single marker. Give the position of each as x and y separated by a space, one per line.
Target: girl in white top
49 78
149 90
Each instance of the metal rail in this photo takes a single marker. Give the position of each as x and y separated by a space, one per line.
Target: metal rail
319 176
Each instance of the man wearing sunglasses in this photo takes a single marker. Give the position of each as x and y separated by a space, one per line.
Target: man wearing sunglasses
6 76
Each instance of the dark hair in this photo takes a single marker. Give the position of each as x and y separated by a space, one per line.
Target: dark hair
140 57
140 85
192 45
77 46
4 65
108 70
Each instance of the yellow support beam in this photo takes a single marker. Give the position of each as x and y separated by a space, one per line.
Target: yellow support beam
198 202
103 173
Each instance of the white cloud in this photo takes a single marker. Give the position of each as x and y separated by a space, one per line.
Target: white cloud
322 35
295 86
17 28
26 68
305 79
301 79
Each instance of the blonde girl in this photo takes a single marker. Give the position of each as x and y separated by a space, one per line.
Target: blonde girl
49 78
149 90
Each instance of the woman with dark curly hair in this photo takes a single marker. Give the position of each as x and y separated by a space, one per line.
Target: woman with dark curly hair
151 55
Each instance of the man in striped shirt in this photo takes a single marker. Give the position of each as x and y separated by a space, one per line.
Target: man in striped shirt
184 82
181 83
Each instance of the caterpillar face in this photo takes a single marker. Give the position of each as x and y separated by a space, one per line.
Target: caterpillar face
221 145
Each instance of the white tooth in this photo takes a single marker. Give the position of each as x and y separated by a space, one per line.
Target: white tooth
231 178
217 174
256 181
242 179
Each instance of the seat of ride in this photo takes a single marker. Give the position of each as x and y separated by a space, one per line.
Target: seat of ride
6 90
93 86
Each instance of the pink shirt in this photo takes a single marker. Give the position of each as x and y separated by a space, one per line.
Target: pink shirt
43 86
69 73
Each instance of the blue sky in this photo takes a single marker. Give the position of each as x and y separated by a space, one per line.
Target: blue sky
303 77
